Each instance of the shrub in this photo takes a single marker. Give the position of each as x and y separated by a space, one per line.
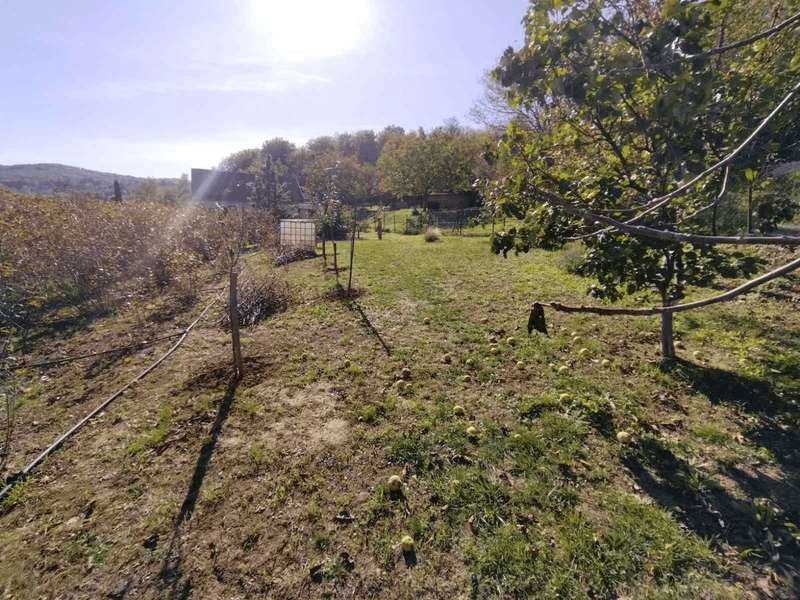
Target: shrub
258 298
76 248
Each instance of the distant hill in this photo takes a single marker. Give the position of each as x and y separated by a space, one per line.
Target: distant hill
50 178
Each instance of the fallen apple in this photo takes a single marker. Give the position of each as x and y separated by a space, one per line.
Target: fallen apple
405 373
520 365
459 411
466 378
623 437
494 350
605 362
472 431
511 341
407 544
447 358
395 483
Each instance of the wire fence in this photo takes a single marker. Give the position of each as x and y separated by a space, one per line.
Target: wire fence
455 219
741 214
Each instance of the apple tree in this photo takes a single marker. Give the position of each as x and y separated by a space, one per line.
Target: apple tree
653 111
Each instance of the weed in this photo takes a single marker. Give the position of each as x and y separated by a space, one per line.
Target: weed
256 455
158 432
313 512
712 434
249 404
15 497
371 412
409 447
322 541
251 536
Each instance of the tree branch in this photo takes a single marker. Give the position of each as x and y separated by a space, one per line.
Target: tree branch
655 310
661 234
746 42
716 201
714 51
657 203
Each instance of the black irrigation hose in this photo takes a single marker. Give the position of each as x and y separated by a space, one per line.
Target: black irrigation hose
14 478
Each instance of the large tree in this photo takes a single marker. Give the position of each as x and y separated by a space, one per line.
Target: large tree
279 172
246 161
445 159
654 111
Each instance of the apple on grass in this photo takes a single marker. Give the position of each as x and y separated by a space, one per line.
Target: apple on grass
624 437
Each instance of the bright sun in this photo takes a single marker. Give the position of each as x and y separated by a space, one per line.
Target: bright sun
304 29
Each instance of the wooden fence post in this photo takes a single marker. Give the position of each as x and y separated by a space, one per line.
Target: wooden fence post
352 249
238 365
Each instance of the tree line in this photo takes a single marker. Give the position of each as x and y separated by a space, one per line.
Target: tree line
365 166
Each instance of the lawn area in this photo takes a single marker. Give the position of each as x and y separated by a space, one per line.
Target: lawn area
573 465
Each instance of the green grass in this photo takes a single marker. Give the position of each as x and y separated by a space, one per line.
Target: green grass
542 501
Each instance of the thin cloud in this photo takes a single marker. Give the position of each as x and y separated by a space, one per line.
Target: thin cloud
213 80
162 157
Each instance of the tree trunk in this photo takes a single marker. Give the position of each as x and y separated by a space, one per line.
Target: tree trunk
750 208
238 365
336 262
667 342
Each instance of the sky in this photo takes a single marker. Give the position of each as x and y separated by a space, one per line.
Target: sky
152 88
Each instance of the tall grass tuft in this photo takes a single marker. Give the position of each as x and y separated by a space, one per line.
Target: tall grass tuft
433 234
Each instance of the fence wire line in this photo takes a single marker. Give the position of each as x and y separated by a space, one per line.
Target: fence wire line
142 344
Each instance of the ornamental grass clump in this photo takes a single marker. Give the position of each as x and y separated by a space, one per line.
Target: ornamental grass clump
433 234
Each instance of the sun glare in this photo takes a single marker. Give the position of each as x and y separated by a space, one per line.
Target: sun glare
305 29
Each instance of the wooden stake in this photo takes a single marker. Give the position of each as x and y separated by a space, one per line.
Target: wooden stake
352 250
238 365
